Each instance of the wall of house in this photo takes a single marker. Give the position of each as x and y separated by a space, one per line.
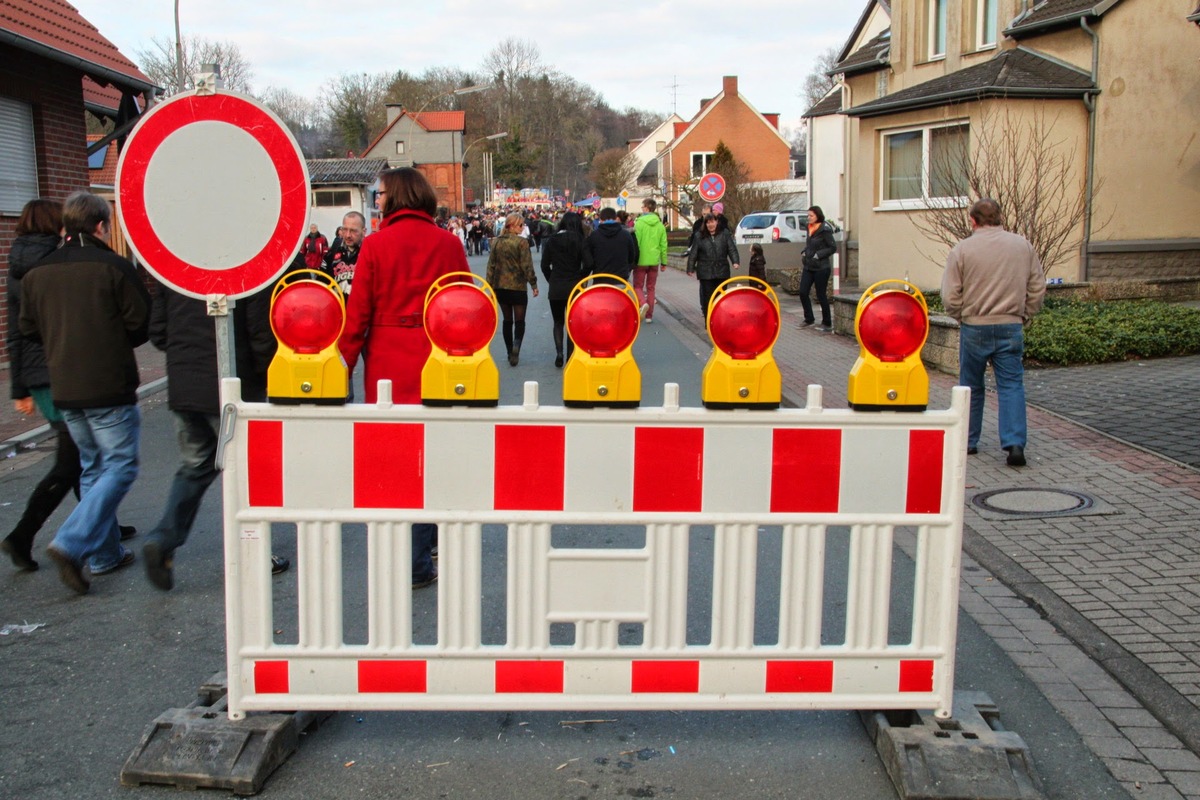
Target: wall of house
891 245
447 182
826 151
55 92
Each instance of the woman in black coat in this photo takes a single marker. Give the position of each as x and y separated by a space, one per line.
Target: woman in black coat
710 258
565 262
819 247
38 232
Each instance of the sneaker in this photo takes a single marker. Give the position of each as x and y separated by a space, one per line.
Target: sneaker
279 564
21 555
127 558
649 320
68 571
808 323
825 328
158 567
430 581
645 310
127 532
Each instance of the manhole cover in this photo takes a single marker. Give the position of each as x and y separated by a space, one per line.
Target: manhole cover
1033 502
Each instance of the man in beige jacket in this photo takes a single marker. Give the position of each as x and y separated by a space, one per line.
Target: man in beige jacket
993 285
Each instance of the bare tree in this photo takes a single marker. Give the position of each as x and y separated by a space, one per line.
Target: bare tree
819 82
613 170
355 105
158 62
1019 161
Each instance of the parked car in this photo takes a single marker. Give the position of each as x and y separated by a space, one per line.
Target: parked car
767 227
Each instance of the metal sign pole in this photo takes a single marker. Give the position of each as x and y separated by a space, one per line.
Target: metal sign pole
220 308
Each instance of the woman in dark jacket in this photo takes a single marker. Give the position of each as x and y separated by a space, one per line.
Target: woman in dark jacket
38 233
565 262
819 247
710 257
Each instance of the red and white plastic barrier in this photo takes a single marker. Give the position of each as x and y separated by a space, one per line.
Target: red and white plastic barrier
530 468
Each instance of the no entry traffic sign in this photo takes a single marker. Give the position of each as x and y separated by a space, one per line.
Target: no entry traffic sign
213 193
712 187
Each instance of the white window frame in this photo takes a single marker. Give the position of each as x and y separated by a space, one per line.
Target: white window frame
982 15
19 167
400 147
924 201
706 155
933 8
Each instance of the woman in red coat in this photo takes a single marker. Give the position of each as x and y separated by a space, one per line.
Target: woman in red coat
396 266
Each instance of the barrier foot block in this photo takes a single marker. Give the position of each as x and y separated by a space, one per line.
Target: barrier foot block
967 757
199 747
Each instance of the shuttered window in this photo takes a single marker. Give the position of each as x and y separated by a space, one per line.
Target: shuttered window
18 168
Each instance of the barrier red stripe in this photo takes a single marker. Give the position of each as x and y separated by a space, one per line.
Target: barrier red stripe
800 676
541 677
925 449
665 676
264 467
668 469
271 677
389 465
916 676
391 676
530 467
806 470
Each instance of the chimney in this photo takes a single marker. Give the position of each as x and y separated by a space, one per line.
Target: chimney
729 85
393 111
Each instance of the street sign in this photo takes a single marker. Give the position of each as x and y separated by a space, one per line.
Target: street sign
596 204
213 194
620 202
712 187
624 194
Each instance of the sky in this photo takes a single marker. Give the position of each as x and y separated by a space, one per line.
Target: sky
654 55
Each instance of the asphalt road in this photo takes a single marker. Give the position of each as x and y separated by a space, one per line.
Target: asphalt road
77 694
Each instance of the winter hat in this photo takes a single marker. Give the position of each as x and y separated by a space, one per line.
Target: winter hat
718 208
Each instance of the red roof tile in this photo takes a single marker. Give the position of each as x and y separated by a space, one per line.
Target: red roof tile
106 97
105 175
57 25
442 120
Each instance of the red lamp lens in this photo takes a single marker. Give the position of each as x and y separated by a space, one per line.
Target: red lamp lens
460 319
774 234
743 323
307 317
602 321
892 326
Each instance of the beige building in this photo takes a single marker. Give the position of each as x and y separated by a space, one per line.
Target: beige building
942 93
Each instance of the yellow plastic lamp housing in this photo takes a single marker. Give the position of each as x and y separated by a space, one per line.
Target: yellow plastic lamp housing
892 325
461 317
603 321
743 322
308 314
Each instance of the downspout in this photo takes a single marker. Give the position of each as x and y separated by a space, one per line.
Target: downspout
847 228
1089 102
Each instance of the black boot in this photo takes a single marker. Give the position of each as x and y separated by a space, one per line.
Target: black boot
20 550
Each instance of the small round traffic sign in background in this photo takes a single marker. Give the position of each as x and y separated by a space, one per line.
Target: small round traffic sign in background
712 187
213 193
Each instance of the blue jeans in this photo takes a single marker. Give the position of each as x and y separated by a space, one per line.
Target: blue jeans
424 535
1004 346
197 437
107 439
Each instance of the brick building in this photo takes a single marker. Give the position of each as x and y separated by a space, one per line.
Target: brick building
431 141
54 67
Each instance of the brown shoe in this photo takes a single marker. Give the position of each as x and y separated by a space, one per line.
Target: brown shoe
69 572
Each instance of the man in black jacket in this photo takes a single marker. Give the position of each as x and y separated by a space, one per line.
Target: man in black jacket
614 250
90 310
180 327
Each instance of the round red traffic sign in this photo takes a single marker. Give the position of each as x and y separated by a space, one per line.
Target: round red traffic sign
712 187
596 204
213 194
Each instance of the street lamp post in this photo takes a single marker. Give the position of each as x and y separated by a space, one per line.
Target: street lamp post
462 201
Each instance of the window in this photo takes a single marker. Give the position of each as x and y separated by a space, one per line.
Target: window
400 148
660 146
700 163
329 198
986 15
18 168
924 166
937 28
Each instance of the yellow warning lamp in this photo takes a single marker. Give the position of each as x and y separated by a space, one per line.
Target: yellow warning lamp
460 319
743 321
308 314
892 325
603 321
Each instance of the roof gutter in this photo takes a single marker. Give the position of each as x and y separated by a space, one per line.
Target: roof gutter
119 79
961 95
1089 102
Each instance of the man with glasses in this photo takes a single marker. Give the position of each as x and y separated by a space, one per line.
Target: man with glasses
339 263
